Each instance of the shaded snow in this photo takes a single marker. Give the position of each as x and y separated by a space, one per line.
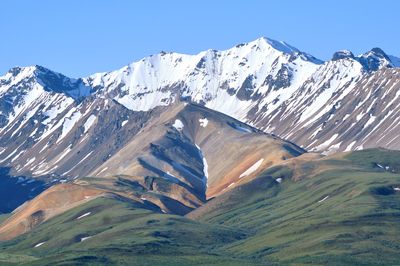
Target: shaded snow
89 123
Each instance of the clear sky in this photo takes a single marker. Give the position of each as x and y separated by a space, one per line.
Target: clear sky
81 37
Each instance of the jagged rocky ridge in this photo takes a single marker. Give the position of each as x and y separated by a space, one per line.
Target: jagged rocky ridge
52 125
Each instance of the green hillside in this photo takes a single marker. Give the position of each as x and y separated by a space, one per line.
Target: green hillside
339 210
343 210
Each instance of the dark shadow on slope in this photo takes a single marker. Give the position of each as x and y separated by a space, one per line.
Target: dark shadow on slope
14 191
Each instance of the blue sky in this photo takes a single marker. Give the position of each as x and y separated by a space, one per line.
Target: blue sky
81 37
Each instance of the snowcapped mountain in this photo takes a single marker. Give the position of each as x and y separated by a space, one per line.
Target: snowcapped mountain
46 119
270 85
54 125
210 77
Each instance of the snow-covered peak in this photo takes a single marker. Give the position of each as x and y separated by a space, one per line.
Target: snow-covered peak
375 59
242 71
277 45
15 71
57 82
16 75
372 60
47 79
342 54
283 47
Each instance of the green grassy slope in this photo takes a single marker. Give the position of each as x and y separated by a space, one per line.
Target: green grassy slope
121 233
357 223
340 210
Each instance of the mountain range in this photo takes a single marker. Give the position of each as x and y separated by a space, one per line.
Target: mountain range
259 154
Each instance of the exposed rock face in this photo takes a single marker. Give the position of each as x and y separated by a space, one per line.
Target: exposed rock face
138 134
375 60
181 157
343 54
181 150
52 125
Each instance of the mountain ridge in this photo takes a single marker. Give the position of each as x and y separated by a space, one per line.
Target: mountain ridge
322 106
257 154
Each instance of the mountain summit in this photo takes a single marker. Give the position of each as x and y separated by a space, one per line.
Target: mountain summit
323 106
250 156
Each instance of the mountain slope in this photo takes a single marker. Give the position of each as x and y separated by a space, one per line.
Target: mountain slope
51 128
335 210
187 133
172 165
46 119
111 231
129 158
272 86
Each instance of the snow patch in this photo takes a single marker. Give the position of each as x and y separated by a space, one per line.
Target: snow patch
325 198
89 123
327 143
31 160
65 152
370 121
84 215
69 123
350 146
124 123
203 122
178 125
85 238
252 168
205 166
102 170
231 184
39 244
